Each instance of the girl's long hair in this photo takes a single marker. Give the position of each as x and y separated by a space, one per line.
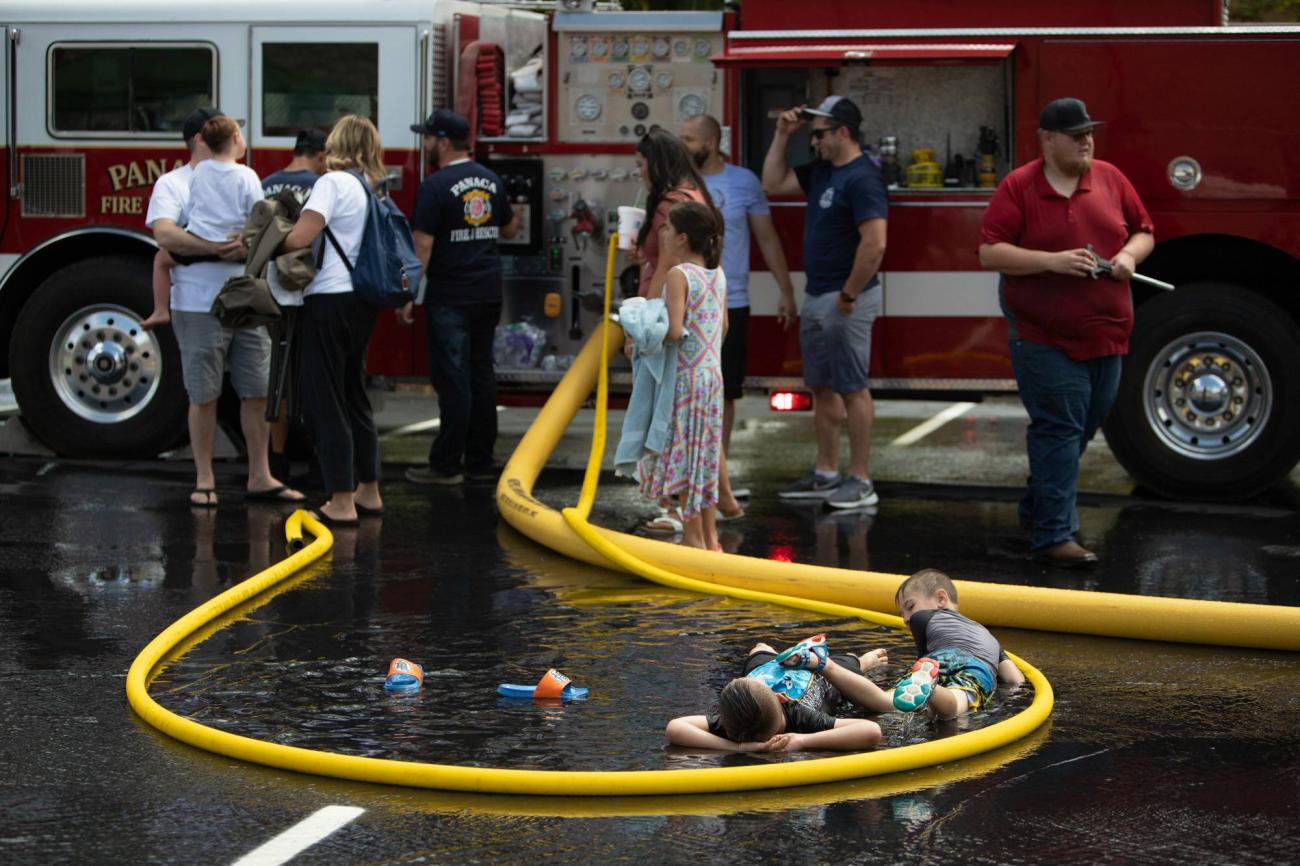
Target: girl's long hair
702 227
354 143
669 166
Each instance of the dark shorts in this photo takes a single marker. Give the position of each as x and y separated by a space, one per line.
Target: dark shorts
735 353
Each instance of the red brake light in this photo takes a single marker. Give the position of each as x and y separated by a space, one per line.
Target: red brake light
790 401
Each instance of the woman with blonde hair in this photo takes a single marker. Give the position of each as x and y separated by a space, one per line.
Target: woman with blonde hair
336 324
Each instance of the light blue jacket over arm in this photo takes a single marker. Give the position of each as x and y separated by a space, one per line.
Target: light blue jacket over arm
654 380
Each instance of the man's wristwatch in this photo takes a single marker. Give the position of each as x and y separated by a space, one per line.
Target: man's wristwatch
846 297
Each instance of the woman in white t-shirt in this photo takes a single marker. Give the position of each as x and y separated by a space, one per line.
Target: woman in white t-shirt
336 324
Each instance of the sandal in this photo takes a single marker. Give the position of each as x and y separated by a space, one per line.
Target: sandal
209 495
274 494
669 523
809 654
728 516
365 511
913 691
324 518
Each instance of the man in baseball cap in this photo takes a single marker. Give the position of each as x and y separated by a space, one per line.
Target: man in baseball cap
444 124
193 124
839 109
1066 115
1068 333
845 228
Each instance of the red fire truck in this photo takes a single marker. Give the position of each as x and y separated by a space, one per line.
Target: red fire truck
1199 116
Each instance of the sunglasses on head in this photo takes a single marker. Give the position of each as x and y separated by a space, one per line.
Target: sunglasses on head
818 133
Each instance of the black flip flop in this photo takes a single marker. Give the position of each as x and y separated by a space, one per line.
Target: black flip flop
208 494
332 521
363 511
271 494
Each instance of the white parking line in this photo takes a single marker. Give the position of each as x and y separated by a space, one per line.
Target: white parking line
925 428
422 426
300 836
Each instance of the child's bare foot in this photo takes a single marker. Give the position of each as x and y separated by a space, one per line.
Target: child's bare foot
762 648
156 318
873 659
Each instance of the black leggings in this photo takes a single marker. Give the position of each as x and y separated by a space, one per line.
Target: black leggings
335 331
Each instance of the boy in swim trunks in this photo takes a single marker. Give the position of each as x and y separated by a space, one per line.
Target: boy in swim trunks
752 718
960 665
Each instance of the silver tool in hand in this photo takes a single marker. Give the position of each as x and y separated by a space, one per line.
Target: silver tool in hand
1101 266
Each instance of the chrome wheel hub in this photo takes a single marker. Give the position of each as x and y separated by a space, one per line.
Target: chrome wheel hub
103 366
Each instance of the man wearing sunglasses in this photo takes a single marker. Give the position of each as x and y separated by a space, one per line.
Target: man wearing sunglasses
843 242
1068 334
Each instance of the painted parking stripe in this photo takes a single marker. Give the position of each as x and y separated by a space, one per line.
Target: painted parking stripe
300 836
925 428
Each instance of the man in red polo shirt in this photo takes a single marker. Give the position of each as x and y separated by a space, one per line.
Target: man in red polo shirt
1068 332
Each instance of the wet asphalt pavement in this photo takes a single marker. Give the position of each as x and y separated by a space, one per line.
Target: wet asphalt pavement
1155 753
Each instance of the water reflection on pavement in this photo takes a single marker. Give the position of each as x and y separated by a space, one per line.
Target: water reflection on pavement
1156 753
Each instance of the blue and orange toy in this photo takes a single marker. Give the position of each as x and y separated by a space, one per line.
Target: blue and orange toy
552 686
404 676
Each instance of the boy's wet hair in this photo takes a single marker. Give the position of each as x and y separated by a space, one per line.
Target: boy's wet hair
748 714
926 581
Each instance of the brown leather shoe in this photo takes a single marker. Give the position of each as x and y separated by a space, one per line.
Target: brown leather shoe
1067 554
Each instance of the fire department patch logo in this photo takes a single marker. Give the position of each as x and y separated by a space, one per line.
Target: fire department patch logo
478 207
827 197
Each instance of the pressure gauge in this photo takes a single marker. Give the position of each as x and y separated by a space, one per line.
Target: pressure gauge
681 48
703 48
618 47
577 48
599 47
640 46
639 79
586 108
691 105
640 111
664 80
616 80
661 47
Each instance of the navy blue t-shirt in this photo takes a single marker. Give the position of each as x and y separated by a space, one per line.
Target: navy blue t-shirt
463 207
299 182
839 198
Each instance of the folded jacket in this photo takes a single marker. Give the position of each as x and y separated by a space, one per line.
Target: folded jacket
654 380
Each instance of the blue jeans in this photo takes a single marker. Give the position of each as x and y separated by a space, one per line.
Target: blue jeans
1067 401
459 339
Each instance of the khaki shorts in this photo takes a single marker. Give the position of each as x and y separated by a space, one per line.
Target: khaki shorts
208 350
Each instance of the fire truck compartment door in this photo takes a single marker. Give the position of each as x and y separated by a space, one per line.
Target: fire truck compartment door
310 76
742 54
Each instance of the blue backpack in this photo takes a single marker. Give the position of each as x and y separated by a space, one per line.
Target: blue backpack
387 270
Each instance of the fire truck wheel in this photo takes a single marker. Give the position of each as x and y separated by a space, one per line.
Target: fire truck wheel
1209 401
88 380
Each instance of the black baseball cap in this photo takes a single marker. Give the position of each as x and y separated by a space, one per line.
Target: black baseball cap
309 141
839 109
444 124
194 121
1066 115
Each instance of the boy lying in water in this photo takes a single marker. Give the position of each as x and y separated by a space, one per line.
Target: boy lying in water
770 710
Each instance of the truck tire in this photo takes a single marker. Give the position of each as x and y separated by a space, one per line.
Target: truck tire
88 381
1209 400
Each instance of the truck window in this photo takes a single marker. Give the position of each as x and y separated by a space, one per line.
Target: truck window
121 89
306 84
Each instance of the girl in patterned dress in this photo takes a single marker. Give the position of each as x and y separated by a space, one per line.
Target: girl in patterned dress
696 296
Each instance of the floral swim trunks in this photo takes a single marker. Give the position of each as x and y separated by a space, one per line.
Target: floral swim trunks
965 673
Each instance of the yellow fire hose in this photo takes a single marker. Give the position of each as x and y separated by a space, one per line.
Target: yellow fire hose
548 782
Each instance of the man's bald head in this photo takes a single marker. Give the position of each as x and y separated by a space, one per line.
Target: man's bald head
702 136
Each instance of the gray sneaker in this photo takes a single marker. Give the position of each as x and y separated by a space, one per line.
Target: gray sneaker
429 475
853 492
811 486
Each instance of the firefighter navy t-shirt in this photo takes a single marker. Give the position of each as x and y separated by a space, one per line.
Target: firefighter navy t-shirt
297 182
839 199
463 207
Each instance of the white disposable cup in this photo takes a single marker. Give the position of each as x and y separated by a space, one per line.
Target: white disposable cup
630 220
